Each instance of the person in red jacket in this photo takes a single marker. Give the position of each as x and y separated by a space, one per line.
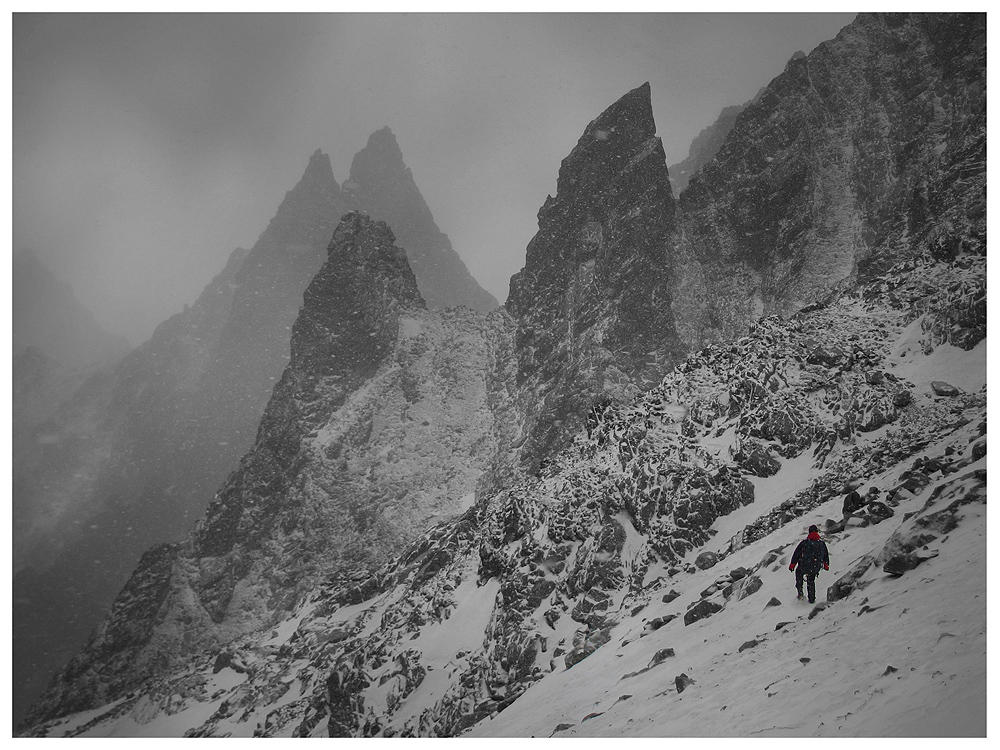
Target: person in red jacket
810 556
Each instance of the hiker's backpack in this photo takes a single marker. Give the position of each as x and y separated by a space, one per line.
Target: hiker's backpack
811 559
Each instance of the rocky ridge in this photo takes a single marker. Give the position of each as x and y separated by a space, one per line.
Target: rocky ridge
867 151
704 148
619 537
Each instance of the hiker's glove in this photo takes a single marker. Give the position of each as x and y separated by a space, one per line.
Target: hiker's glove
792 566
825 566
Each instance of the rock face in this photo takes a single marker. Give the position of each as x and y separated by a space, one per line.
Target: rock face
592 305
704 148
867 151
382 186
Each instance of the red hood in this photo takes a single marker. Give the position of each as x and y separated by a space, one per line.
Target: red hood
814 535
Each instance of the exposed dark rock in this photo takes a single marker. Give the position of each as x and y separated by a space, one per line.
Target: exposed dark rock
818 608
749 644
743 588
704 147
670 596
847 583
660 656
757 459
979 450
599 259
700 611
942 388
706 560
585 643
900 563
681 682
902 398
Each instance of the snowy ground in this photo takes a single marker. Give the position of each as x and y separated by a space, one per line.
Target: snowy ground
903 657
900 657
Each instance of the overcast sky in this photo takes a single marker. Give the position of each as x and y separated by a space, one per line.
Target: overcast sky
146 148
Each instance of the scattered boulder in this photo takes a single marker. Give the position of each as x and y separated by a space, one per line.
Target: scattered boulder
706 560
818 608
658 622
902 398
889 670
670 596
805 660
749 644
942 388
903 542
552 617
222 661
848 582
700 611
826 356
660 656
780 625
979 450
748 586
774 602
738 573
902 562
681 681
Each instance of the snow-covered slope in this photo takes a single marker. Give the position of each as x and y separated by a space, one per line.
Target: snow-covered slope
639 586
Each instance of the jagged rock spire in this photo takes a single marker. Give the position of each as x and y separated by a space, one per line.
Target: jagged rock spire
347 326
382 186
592 304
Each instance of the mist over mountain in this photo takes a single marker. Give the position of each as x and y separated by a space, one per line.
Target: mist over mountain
48 318
572 515
56 342
134 456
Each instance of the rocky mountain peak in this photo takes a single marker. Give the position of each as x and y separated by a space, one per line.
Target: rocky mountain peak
348 325
592 304
316 191
623 131
382 186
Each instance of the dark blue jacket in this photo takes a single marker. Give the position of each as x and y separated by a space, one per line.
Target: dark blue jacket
811 554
